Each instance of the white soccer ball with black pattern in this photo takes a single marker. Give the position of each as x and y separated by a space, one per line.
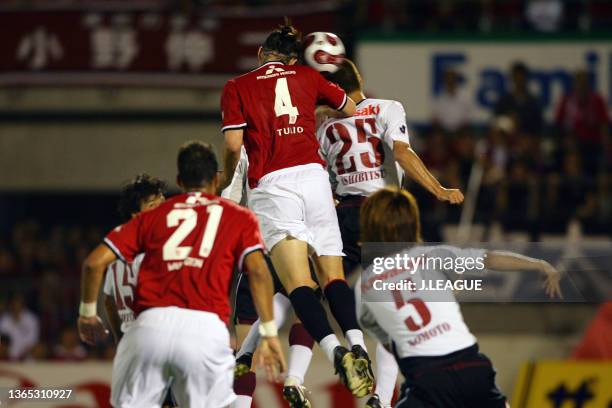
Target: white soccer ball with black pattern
323 51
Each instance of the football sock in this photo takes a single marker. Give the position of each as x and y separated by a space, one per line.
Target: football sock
386 374
300 354
355 337
310 311
342 304
281 308
328 344
244 387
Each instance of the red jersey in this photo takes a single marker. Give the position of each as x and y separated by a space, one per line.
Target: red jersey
275 104
191 243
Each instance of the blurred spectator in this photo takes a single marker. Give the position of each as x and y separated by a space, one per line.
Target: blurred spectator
544 15
582 117
108 352
69 347
452 108
517 198
497 15
21 326
520 104
7 261
39 352
5 346
494 150
569 195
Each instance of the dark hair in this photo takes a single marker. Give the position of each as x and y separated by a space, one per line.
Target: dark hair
5 339
133 193
197 164
520 67
346 77
285 42
390 215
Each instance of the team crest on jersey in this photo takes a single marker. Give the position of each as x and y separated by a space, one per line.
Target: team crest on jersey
274 69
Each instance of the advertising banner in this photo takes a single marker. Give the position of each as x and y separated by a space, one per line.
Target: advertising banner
559 384
138 48
412 71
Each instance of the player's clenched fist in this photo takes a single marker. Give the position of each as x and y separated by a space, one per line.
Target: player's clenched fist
452 195
270 356
91 329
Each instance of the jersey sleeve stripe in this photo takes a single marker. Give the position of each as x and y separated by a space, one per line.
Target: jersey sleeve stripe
246 252
113 248
343 104
230 127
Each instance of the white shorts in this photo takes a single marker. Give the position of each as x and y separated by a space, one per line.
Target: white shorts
297 202
191 347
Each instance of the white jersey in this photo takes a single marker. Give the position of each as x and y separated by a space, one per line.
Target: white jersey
416 327
237 189
120 283
354 147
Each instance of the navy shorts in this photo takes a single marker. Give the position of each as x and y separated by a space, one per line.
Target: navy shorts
463 379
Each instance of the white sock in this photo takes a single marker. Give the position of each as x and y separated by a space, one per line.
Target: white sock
328 344
281 304
386 374
242 401
299 360
355 337
249 344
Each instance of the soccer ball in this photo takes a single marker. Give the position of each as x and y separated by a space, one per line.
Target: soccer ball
323 51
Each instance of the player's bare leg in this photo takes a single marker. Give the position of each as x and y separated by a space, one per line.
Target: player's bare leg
342 304
290 259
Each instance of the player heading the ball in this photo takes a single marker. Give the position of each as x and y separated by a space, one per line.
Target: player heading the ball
271 110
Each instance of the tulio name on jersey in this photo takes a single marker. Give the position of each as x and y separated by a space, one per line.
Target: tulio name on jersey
290 130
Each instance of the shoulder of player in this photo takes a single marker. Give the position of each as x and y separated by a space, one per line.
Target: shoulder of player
390 103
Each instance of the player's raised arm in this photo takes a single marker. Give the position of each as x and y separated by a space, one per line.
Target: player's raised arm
231 155
412 164
509 261
349 107
330 94
234 123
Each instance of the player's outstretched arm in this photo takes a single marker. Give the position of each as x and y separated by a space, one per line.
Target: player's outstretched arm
90 326
233 143
415 168
510 261
270 353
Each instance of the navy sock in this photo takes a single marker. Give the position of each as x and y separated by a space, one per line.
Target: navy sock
342 304
310 311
